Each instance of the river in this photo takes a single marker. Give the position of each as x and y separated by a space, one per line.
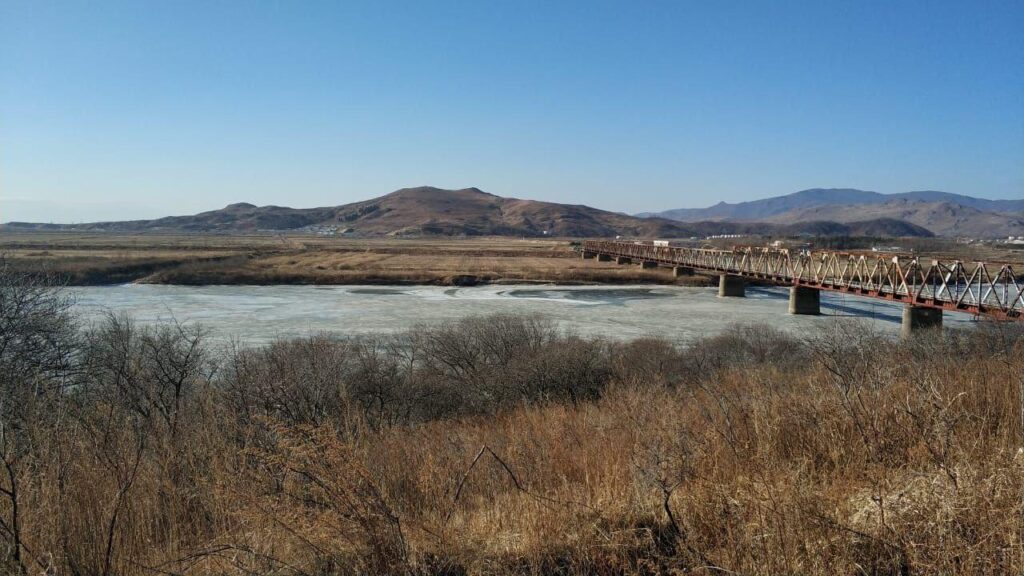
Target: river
257 314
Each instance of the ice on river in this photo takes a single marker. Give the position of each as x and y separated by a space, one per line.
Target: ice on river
256 314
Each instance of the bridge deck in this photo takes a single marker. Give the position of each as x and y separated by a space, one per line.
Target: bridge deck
976 288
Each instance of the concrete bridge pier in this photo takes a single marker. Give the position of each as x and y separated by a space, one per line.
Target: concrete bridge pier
804 300
678 271
603 258
622 260
588 255
730 286
917 318
645 264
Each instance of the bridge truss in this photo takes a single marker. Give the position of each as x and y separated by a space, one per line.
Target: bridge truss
977 288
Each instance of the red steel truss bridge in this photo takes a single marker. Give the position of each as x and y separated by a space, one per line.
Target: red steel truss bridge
978 288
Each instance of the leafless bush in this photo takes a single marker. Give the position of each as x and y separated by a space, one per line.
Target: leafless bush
470 366
299 381
38 343
740 346
37 332
647 362
332 507
152 372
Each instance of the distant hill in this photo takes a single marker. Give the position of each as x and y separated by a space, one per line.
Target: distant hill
943 218
941 212
471 212
877 227
410 211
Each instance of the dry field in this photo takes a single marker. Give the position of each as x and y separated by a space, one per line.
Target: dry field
266 259
105 258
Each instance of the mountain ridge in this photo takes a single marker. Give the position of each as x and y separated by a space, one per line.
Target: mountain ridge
977 216
426 210
423 210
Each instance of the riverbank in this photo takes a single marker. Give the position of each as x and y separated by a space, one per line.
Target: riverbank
262 260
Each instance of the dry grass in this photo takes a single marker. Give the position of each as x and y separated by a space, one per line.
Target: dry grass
98 258
748 453
196 260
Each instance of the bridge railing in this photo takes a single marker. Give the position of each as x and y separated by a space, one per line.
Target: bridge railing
977 287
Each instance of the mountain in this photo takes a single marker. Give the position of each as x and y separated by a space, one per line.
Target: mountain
760 209
877 227
942 212
944 218
768 207
472 212
410 211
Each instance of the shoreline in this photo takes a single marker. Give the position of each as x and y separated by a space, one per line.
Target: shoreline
456 281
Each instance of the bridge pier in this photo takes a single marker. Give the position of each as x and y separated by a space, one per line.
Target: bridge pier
730 286
942 280
917 318
804 300
622 260
645 264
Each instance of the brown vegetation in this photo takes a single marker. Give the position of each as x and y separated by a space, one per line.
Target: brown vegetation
504 445
201 260
97 258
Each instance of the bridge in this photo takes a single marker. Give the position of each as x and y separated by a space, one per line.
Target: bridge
927 288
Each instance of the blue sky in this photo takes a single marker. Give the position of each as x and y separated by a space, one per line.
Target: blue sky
114 110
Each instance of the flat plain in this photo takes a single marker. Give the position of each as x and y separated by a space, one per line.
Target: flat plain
97 258
104 258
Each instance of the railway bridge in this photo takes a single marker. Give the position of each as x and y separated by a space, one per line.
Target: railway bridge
927 288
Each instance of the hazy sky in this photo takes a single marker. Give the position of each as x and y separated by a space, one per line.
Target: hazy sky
113 110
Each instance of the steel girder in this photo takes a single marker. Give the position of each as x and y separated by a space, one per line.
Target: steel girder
978 287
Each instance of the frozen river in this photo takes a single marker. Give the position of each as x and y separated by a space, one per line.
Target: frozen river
257 314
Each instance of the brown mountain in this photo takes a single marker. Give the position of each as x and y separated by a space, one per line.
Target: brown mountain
944 213
472 212
410 211
943 218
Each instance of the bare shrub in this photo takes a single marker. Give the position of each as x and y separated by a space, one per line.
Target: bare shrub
649 362
38 343
739 346
319 490
299 381
472 366
151 371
